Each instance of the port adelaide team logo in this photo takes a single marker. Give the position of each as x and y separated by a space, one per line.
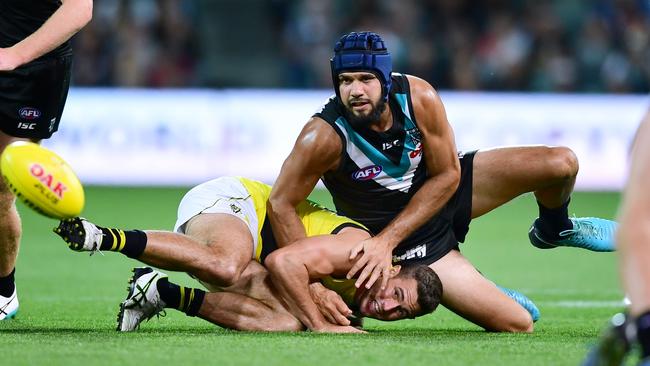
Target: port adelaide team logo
367 173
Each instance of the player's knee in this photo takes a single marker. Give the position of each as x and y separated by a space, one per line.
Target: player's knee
221 273
521 322
563 162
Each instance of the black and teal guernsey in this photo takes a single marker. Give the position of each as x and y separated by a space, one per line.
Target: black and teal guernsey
21 18
379 172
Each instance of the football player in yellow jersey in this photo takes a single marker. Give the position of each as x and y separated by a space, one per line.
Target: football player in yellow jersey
222 237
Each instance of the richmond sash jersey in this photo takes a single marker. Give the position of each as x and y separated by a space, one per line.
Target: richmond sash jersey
379 172
21 18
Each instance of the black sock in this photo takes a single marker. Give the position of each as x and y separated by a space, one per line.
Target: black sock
7 285
643 333
552 221
130 243
185 299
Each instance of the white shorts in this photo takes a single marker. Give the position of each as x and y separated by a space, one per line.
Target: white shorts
226 195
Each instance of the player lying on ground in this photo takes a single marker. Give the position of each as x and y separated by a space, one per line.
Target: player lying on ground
633 239
384 149
220 237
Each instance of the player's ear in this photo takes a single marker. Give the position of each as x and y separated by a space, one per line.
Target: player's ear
394 270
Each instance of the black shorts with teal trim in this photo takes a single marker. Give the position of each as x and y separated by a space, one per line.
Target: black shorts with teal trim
458 212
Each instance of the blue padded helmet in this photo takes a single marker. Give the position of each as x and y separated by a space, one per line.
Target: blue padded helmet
362 51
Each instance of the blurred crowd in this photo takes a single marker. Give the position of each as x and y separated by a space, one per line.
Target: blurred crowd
519 45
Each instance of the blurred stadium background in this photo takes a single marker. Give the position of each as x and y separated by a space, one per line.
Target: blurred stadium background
174 92
230 83
514 45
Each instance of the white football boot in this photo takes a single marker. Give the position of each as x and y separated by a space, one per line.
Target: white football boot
143 300
9 306
80 234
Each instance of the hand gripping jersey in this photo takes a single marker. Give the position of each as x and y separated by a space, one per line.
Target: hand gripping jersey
379 172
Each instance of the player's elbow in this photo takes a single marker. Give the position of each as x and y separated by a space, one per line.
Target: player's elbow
87 12
286 323
278 262
451 178
83 10
278 206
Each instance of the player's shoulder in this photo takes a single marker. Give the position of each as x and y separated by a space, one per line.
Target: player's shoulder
319 139
424 96
329 110
420 87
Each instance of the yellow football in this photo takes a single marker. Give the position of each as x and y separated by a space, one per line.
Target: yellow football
42 180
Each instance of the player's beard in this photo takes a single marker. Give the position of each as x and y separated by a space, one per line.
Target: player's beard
363 121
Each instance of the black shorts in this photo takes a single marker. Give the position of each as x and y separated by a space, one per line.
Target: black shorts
455 216
32 97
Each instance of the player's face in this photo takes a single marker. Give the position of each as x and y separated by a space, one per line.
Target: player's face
398 301
361 95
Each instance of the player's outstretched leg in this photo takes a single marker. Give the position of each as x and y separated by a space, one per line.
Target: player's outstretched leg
150 292
502 174
9 306
82 235
522 300
249 305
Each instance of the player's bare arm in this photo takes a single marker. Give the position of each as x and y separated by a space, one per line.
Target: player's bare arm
439 149
316 151
294 266
61 26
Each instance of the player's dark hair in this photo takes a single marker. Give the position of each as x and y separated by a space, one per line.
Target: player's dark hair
429 286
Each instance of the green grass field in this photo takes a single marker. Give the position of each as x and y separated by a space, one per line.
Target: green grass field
69 301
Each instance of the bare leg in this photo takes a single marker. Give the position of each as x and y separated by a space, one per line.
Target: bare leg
634 233
633 243
240 312
10 230
502 174
249 305
470 295
216 249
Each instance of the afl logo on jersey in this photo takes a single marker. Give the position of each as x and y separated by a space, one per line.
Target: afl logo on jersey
367 173
29 113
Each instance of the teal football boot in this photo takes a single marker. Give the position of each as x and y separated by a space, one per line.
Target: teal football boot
589 233
524 301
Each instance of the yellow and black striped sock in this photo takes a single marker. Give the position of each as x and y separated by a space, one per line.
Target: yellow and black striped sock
128 242
185 299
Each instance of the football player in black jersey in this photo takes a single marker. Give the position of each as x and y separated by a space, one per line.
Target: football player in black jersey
35 64
384 149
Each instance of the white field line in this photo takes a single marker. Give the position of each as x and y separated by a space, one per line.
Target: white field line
581 303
